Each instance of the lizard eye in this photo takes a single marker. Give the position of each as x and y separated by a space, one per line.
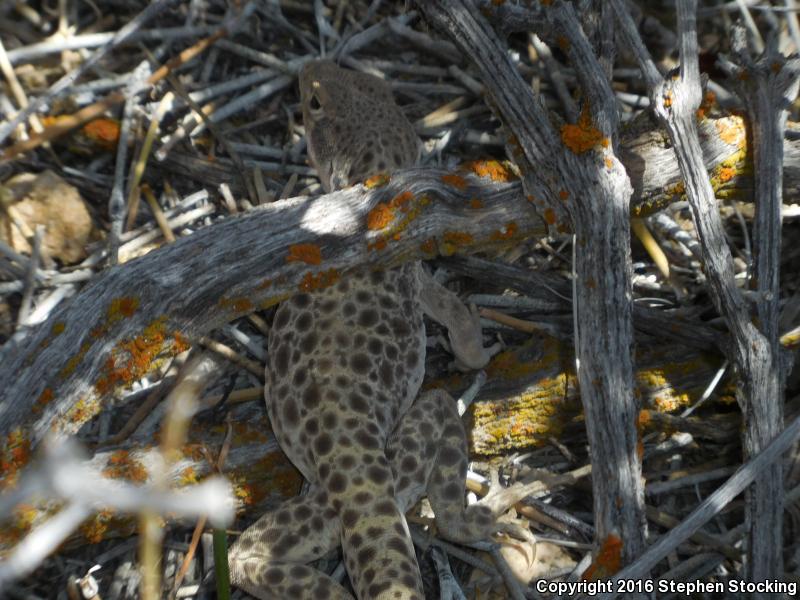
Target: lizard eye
314 103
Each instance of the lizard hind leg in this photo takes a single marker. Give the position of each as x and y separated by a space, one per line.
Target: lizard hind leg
428 452
269 560
377 547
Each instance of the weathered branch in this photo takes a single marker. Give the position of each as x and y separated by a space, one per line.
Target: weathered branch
710 507
767 87
675 103
644 151
113 331
587 188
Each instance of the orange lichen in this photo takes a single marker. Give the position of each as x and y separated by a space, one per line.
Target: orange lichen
83 410
308 253
377 180
74 361
456 181
731 131
187 477
104 132
179 342
321 280
708 102
583 135
13 457
726 173
457 238
264 284
378 245
121 465
239 305
131 359
608 162
550 216
493 169
380 217
122 308
668 99
45 398
283 477
476 203
506 233
95 529
402 200
386 214
564 195
608 560
428 246
57 328
193 452
563 43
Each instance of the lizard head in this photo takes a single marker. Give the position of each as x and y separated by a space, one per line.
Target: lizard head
353 126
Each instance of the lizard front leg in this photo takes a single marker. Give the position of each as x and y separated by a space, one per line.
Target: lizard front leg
462 323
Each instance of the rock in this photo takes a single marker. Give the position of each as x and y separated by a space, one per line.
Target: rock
31 199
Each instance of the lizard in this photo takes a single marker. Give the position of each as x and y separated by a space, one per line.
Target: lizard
344 370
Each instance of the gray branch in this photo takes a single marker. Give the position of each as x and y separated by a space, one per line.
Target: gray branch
58 376
760 395
590 192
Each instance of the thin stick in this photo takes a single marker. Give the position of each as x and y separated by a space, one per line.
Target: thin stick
70 122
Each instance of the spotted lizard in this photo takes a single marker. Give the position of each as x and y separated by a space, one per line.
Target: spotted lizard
344 370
